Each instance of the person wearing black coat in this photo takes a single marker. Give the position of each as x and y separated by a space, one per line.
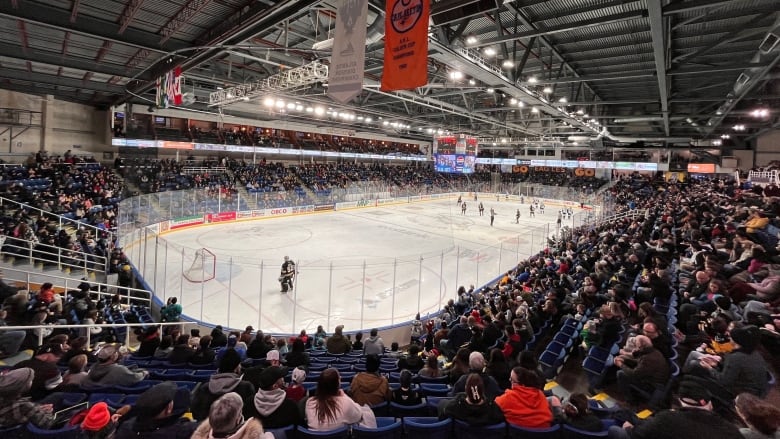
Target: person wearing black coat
472 406
218 338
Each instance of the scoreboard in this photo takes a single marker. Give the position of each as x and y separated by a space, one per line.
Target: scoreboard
456 154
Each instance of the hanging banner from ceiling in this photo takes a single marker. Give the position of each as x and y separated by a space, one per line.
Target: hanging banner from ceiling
345 76
406 45
169 89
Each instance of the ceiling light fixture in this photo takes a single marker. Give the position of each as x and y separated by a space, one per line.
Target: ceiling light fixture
508 64
532 80
489 51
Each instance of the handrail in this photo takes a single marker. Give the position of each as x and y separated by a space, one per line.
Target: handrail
96 325
32 250
75 223
68 283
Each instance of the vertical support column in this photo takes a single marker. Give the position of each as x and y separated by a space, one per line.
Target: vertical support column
363 295
260 297
330 292
419 285
392 306
47 123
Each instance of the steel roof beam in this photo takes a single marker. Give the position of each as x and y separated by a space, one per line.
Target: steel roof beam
19 75
182 17
56 18
682 6
659 54
615 18
71 62
74 12
128 14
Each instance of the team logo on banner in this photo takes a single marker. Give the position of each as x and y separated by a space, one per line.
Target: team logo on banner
345 77
406 44
169 89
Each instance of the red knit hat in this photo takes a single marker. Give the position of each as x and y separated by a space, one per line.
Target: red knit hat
97 417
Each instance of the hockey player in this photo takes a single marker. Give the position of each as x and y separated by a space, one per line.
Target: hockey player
541 207
481 209
531 211
460 200
287 275
492 216
463 208
517 217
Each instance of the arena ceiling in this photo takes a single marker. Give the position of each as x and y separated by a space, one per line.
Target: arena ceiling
661 71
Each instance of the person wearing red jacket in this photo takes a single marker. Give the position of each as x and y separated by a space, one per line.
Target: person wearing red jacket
524 404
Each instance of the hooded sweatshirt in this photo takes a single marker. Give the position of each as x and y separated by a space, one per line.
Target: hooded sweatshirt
219 384
274 409
252 429
374 345
370 388
525 407
107 375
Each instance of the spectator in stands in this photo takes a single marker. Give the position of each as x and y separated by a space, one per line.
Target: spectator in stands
742 370
374 344
15 409
459 365
164 348
459 335
232 344
297 357
10 341
226 421
227 379
108 372
44 364
171 312
499 368
477 366
412 360
194 340
296 391
204 354
524 404
431 368
761 417
218 338
694 419
338 343
75 374
181 352
246 336
357 345
406 394
271 405
260 346
331 408
370 387
150 341
647 371
158 415
473 406
574 411
99 421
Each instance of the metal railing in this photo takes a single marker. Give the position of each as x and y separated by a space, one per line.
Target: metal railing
53 255
30 280
114 326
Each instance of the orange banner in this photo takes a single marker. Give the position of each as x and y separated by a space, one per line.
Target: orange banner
406 44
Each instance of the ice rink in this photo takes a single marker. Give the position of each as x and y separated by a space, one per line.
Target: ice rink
363 268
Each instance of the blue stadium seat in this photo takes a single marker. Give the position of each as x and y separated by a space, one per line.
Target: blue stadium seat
464 430
386 428
305 433
427 428
517 432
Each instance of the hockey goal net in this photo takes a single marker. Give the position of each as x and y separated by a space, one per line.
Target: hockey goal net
203 267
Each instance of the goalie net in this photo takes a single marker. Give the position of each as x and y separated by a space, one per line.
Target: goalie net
203 267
